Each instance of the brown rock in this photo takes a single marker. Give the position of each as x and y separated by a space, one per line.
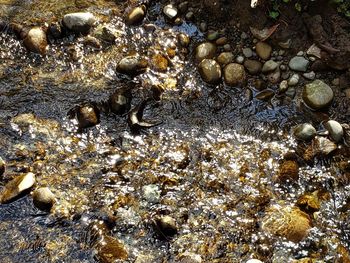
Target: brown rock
288 171
36 40
234 74
263 50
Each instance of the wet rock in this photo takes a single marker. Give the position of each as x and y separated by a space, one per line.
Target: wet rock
151 193
309 75
288 171
92 42
210 71
234 74
132 65
305 132
225 58
283 86
110 250
274 76
294 79
253 66
120 101
247 52
170 11
136 15
205 50
259 84
317 95
159 63
335 130
291 92
17 187
221 41
298 63
43 198
239 59
2 166
36 40
87 115
263 50
269 66
265 95
183 6
166 226
322 146
183 39
309 203
189 257
79 22
287 221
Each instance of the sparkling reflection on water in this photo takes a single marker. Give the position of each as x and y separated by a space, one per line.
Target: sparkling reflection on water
213 159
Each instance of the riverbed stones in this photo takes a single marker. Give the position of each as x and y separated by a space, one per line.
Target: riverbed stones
159 62
43 199
136 15
151 193
298 63
36 40
205 50
263 50
335 130
132 65
80 22
269 66
225 58
16 187
166 226
287 221
309 75
323 146
210 71
234 74
111 250
317 95
254 261
253 66
170 11
189 257
304 132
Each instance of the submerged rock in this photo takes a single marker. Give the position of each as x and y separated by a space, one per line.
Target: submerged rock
88 115
205 50
166 226
305 132
289 222
183 39
335 130
265 95
225 58
79 22
136 15
105 33
269 66
110 249
288 171
323 146
317 95
234 74
159 62
132 65
135 118
16 187
43 198
189 257
36 40
210 71
120 101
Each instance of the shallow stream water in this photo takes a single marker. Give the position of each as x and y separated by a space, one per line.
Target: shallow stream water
211 162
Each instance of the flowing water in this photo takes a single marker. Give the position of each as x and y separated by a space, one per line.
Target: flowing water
210 164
